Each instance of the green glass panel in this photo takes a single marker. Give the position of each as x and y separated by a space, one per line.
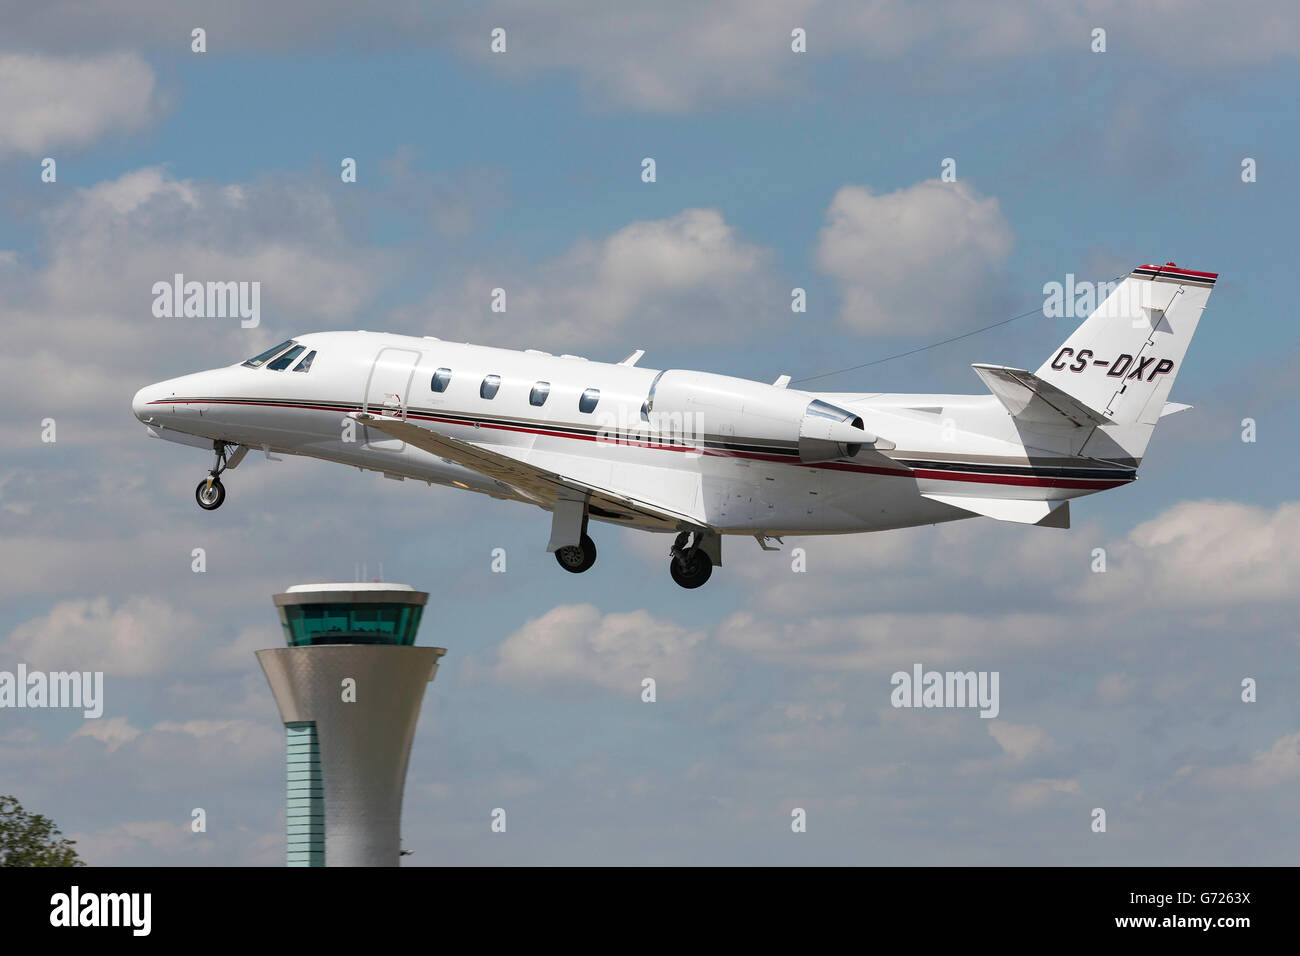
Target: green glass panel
348 623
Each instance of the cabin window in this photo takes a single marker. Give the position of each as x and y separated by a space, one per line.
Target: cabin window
441 379
587 404
305 364
538 395
285 360
489 387
257 361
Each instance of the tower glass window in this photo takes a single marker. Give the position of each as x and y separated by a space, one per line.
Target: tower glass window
350 623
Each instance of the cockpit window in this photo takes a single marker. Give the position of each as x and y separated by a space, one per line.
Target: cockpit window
305 364
285 360
257 361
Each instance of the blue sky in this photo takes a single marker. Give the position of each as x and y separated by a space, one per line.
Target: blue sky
523 170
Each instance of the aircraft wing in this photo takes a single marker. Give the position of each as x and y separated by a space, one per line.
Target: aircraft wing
544 485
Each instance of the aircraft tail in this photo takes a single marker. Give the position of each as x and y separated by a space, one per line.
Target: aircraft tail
1121 362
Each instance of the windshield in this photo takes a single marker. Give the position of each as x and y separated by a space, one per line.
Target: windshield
257 361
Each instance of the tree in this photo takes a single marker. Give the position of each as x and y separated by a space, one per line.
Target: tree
29 839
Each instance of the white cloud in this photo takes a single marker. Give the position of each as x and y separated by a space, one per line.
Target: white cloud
1116 689
112 732
104 248
687 278
918 261
577 644
1205 553
677 55
1032 794
149 838
1266 768
882 643
141 636
1018 741
48 103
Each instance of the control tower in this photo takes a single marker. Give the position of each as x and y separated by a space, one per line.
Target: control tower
349 687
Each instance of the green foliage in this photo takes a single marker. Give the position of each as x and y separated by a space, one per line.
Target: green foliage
29 839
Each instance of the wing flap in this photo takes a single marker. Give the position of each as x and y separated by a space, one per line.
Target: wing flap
1046 514
545 485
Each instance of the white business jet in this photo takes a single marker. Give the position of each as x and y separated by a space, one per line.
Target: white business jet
696 454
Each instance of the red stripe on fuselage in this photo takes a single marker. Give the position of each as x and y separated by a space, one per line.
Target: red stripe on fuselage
1024 481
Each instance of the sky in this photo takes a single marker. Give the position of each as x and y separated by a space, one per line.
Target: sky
1120 690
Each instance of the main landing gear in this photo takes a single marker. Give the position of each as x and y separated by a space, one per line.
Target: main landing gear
211 492
690 566
577 558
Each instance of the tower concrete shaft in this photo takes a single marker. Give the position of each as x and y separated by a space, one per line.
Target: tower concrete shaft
349 688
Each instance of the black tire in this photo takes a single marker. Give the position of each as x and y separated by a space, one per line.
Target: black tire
577 558
214 497
697 569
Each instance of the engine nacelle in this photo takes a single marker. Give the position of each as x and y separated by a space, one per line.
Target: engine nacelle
702 405
828 432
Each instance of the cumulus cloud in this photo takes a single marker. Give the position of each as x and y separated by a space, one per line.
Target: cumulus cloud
676 55
917 261
112 732
1266 768
1206 553
1018 741
47 103
110 242
687 278
881 642
104 248
680 55
139 636
1032 794
577 644
143 839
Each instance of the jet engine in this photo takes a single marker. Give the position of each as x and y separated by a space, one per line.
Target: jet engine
721 407
828 432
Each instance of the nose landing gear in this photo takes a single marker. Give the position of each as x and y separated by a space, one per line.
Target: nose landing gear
690 566
211 492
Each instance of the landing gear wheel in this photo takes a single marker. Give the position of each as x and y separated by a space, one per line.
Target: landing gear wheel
691 568
577 558
210 494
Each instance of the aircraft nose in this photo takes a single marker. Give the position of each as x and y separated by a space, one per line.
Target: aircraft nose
140 404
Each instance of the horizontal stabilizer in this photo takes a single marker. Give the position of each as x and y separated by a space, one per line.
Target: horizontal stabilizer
1173 408
1046 514
1030 399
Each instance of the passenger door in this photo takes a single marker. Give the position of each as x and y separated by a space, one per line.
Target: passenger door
387 393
